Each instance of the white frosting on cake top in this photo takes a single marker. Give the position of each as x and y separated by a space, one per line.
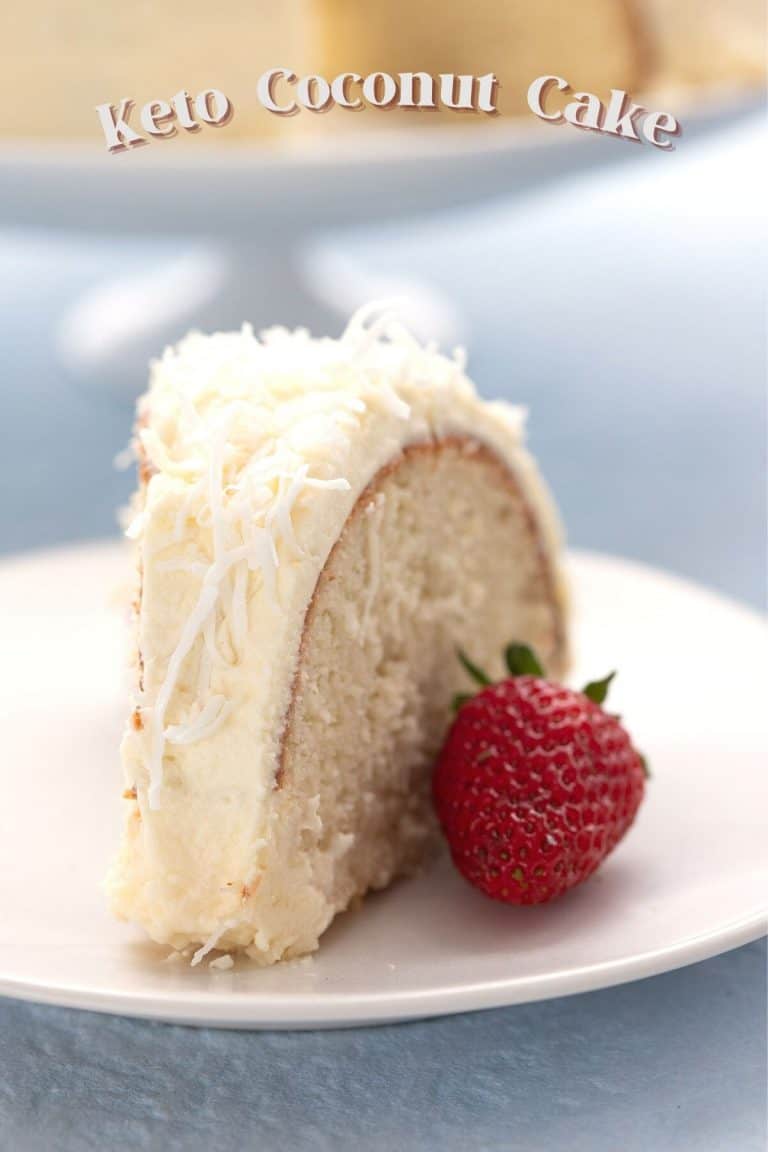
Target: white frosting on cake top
239 432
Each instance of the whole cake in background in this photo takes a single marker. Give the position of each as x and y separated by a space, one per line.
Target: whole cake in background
60 62
320 524
594 45
632 44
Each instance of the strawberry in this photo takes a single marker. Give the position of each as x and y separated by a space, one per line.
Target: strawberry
535 783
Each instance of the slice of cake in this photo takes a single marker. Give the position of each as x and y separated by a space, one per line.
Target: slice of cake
320 523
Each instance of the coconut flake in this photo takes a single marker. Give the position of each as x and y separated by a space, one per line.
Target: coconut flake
239 608
211 942
136 526
189 633
208 719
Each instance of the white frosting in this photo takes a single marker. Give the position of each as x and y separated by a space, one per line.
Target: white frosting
260 448
243 427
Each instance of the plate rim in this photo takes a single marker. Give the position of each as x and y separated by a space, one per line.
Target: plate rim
301 1011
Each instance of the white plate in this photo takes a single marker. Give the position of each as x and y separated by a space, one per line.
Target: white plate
690 880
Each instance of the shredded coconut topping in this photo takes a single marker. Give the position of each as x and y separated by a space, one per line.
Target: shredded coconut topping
242 429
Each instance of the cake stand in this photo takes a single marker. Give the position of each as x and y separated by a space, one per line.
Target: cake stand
240 219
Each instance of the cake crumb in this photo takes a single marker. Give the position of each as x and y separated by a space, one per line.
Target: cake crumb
222 963
130 793
298 961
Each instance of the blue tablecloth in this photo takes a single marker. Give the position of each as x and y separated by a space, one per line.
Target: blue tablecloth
628 313
672 1064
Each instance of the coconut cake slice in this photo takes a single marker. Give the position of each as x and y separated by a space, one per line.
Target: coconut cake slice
319 525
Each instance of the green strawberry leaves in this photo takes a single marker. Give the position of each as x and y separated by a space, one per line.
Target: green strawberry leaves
521 661
597 690
476 673
519 658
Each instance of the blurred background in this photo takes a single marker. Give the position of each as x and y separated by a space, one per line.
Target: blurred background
617 291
